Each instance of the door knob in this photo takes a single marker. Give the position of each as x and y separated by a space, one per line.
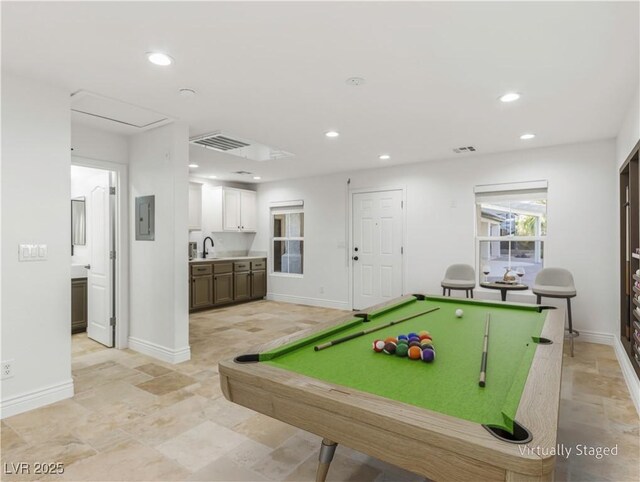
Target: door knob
355 258
87 266
355 249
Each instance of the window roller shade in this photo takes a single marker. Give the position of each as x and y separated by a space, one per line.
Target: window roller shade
518 191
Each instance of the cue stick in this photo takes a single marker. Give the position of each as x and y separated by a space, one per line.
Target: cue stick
371 330
483 364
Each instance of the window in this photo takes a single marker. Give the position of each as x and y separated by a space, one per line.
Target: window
511 228
288 240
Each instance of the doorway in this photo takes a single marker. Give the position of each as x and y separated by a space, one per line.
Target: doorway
93 253
377 247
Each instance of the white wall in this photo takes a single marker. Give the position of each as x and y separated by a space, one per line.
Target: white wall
225 244
629 133
159 323
440 223
92 143
36 296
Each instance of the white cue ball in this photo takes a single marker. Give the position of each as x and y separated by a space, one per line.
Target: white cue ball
459 313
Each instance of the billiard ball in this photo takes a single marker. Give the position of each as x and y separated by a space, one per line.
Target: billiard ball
414 352
413 334
424 334
402 350
389 348
403 337
427 355
414 343
459 313
378 346
391 339
424 346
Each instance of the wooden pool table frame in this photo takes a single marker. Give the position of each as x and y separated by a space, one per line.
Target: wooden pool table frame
431 444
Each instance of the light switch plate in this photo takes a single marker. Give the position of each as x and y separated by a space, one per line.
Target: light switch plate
32 252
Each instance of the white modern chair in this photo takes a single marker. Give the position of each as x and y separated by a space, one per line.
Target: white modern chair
557 283
459 277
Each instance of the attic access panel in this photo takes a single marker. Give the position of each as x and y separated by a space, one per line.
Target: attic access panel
115 111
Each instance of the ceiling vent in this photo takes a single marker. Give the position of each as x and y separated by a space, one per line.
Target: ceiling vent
240 147
111 113
459 150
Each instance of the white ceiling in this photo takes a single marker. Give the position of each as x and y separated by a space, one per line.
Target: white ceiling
275 73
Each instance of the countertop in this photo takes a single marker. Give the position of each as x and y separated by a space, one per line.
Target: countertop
230 258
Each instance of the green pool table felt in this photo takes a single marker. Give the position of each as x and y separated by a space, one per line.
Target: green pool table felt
449 385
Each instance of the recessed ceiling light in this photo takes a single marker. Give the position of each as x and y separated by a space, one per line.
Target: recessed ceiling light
355 81
158 58
384 157
526 137
510 97
187 93
332 134
257 178
213 177
193 166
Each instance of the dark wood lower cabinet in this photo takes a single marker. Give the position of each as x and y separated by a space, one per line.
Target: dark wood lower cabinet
217 283
79 305
242 285
258 284
201 291
222 288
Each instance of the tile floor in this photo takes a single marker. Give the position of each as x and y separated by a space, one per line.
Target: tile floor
135 418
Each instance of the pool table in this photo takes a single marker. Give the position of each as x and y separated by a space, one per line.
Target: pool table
432 419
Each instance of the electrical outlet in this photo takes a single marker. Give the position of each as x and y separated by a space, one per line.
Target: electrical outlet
7 369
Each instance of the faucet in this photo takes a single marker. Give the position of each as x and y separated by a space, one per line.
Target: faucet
204 246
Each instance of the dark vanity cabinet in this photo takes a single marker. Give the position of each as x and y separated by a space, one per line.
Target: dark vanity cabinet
79 312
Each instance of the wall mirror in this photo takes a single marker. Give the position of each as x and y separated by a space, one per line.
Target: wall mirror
78 222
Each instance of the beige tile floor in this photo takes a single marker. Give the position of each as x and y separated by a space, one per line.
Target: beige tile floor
135 418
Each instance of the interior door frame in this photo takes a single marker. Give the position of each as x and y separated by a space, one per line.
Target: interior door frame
352 192
121 274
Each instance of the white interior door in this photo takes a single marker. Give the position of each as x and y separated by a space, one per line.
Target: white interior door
100 273
377 247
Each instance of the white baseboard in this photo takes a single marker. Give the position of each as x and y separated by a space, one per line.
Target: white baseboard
629 374
596 337
160 352
36 399
300 300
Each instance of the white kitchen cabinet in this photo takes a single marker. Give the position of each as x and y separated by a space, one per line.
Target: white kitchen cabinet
233 210
248 209
195 206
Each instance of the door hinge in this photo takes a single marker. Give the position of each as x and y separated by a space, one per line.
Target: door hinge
112 321
112 255
401 249
112 190
401 204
